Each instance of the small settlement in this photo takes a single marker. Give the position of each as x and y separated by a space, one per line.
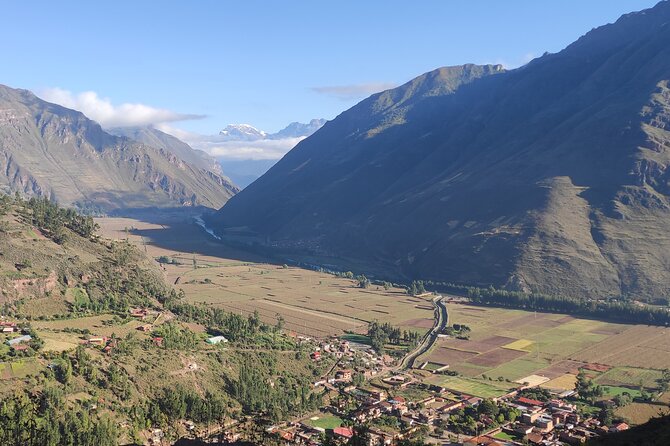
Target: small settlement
366 389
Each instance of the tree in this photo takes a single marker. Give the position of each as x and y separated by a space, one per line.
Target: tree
63 370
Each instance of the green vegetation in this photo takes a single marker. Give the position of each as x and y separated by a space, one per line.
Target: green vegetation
464 421
353 337
53 219
382 334
101 380
325 421
616 310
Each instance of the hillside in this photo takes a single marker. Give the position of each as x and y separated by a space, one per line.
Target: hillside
655 432
549 178
97 350
161 140
48 150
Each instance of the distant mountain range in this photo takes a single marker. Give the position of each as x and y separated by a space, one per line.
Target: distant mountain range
552 177
49 150
245 171
246 132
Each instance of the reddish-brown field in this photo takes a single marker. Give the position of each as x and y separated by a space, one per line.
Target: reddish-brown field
444 355
496 357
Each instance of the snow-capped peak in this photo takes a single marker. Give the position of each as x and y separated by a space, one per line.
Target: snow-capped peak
242 132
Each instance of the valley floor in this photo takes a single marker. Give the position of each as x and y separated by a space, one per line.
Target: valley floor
506 348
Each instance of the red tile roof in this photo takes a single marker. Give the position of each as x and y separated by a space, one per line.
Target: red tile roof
344 432
529 402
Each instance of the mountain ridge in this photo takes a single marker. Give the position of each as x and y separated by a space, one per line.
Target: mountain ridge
478 175
49 150
247 132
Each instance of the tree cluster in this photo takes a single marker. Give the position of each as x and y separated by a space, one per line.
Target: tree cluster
53 219
382 334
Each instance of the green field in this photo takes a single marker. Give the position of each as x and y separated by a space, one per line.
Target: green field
515 344
475 387
612 391
518 368
504 436
432 366
19 369
359 338
630 376
325 421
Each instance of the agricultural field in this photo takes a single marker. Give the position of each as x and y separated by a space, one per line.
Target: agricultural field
639 413
507 347
324 421
311 303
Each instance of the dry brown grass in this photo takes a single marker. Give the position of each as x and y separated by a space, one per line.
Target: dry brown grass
312 303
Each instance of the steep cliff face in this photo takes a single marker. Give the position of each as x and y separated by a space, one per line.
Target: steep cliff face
49 150
552 177
161 140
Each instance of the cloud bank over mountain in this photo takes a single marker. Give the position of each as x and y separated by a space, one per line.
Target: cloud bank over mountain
107 114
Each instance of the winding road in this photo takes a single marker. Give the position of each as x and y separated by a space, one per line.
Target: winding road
441 322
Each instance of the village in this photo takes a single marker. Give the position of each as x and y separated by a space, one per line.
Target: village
372 396
369 396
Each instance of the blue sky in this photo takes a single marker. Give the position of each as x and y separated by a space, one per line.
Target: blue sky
268 63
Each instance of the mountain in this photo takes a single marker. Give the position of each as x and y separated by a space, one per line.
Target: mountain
298 129
245 172
246 132
242 132
49 150
550 178
161 140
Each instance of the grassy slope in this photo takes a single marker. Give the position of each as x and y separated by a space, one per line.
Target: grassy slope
145 369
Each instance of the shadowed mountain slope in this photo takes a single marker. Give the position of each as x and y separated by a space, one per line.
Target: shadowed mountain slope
552 177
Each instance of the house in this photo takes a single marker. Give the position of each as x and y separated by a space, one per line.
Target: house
572 439
96 340
286 435
344 375
529 418
386 407
523 429
377 395
110 346
343 432
19 340
140 313
523 401
407 420
482 441
453 405
145 327
216 340
8 329
620 427
473 401
545 424
20 347
427 416
158 341
534 438
315 356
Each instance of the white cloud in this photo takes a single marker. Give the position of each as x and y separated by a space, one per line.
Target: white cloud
264 149
224 149
353 91
519 62
109 115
